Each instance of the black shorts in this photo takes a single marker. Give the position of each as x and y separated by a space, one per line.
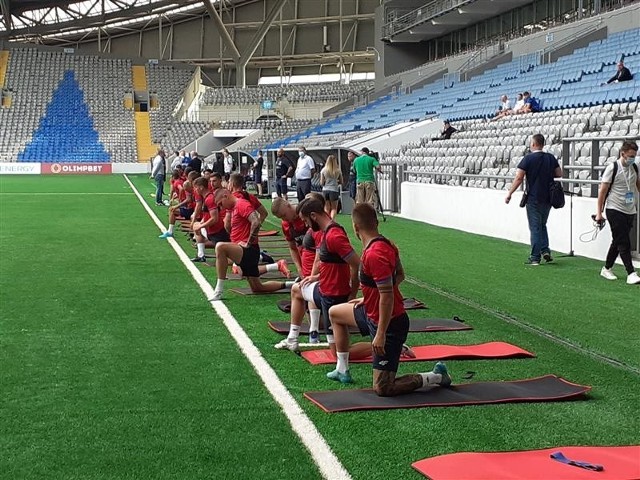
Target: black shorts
394 340
325 303
186 212
330 195
220 236
249 262
257 177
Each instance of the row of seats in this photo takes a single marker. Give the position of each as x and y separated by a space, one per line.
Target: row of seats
297 93
168 83
181 134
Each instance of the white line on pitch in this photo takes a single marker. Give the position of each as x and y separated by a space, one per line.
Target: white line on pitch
329 465
63 193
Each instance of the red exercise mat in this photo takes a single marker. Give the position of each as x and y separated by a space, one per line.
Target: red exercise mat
620 463
435 352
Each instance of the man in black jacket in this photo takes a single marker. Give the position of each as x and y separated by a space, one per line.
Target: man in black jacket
622 75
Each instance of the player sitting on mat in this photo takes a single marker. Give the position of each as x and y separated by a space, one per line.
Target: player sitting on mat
243 248
379 314
184 208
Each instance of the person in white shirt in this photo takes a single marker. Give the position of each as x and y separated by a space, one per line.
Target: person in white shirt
304 172
176 161
619 191
158 173
519 104
228 163
505 108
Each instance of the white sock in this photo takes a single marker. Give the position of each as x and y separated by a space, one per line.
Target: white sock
314 320
272 267
219 285
170 228
200 249
430 378
289 284
343 361
330 339
294 332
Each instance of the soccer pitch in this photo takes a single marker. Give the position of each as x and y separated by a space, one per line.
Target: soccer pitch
114 365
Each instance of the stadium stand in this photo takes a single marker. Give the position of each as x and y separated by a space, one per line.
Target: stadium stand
98 84
573 81
181 134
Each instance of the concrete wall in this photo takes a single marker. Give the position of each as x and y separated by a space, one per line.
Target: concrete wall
484 212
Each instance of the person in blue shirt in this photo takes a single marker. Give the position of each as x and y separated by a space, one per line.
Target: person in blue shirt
540 169
531 105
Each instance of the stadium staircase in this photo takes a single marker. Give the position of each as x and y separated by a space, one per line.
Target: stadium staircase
145 148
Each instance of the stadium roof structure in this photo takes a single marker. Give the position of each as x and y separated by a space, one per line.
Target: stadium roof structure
436 19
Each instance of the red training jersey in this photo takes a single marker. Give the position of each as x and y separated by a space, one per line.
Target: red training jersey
252 199
240 224
208 206
310 243
379 265
335 250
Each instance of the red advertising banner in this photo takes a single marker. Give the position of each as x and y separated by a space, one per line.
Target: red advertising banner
76 168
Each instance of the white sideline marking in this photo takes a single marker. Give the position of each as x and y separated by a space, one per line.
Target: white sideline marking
329 465
64 193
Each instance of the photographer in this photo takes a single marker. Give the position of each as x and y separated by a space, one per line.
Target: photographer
619 189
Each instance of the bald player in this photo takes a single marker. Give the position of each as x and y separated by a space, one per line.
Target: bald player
379 314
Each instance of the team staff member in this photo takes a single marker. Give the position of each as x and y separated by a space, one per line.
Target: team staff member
621 195
380 314
212 226
336 264
185 207
243 249
284 170
364 165
305 169
257 173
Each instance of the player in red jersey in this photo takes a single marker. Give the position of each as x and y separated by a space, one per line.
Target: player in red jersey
236 186
379 314
294 230
335 269
212 225
185 207
243 248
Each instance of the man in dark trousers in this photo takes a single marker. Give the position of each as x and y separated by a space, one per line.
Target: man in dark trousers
540 169
619 190
622 75
257 173
284 170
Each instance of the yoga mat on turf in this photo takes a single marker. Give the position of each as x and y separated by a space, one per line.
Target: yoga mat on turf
416 325
264 276
409 304
618 463
247 291
268 233
542 389
491 350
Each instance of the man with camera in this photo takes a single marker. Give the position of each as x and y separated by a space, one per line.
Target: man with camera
540 169
619 192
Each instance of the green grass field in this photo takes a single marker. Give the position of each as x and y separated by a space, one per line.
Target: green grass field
114 365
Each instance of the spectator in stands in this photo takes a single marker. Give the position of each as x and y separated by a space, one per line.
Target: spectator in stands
519 104
621 195
257 173
531 104
158 173
366 190
540 169
284 171
196 162
622 75
229 163
504 109
176 161
446 132
331 181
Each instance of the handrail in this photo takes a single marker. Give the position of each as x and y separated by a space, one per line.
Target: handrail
420 15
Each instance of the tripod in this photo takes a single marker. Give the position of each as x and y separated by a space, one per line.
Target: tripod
375 182
571 195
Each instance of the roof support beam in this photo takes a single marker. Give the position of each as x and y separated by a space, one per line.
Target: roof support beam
224 34
241 78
